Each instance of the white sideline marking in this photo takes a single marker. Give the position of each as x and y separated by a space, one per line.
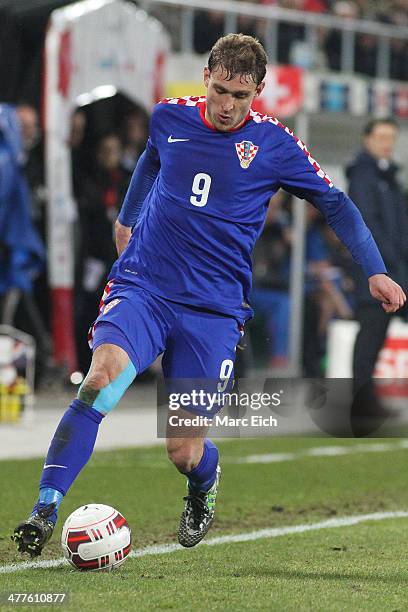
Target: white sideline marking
274 532
320 451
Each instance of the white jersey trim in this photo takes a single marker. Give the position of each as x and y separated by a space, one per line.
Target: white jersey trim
259 118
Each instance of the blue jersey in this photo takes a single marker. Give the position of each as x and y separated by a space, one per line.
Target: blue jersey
194 237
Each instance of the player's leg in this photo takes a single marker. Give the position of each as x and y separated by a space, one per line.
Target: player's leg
197 458
202 349
110 374
128 335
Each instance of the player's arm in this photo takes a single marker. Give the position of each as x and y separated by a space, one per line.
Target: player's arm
140 185
142 181
302 176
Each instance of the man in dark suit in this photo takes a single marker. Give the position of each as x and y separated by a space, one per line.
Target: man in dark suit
374 187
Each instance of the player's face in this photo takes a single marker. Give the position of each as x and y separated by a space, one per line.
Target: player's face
228 100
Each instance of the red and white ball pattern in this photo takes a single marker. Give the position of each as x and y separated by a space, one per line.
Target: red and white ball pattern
96 537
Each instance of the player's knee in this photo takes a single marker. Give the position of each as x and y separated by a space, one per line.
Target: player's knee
96 379
102 390
182 456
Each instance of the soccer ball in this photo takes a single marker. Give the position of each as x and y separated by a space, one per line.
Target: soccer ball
96 537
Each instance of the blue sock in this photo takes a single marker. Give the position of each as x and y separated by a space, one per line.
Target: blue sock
70 449
202 477
48 496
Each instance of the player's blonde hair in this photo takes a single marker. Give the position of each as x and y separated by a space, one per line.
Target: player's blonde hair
239 54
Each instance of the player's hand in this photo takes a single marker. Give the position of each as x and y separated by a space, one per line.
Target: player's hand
389 293
122 236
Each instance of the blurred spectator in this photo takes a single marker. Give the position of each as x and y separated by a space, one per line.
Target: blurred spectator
33 160
78 125
346 10
78 154
375 189
208 27
397 16
291 36
324 296
33 313
365 54
324 289
135 131
99 203
289 33
398 60
22 253
292 45
270 295
30 130
366 45
249 25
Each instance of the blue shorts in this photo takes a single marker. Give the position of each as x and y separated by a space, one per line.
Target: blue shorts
196 344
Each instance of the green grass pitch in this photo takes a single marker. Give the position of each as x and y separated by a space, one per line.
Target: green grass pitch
362 567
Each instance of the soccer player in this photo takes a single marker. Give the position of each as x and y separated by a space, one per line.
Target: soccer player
195 206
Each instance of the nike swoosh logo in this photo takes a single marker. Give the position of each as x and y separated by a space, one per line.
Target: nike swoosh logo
171 139
54 465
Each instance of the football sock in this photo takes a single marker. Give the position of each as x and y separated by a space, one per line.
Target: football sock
48 496
70 449
202 477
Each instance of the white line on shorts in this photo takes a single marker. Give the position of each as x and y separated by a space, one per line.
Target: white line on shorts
320 451
274 532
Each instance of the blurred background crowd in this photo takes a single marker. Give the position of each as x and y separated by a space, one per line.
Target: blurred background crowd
106 140
292 46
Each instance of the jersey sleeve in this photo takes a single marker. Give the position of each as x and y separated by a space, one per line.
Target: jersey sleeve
302 176
299 173
142 180
154 128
